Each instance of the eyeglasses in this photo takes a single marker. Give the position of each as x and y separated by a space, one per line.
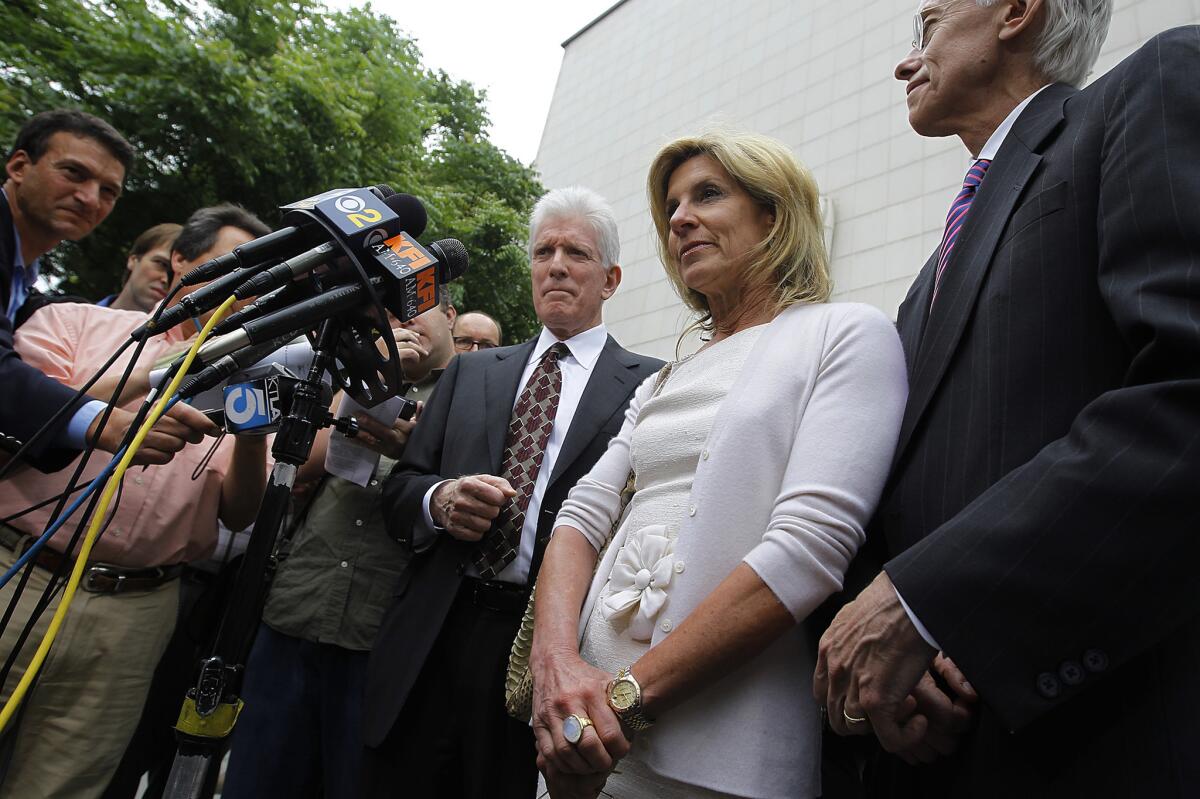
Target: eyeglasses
919 41
923 29
465 343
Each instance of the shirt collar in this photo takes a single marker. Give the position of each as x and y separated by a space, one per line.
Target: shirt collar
585 347
999 134
28 271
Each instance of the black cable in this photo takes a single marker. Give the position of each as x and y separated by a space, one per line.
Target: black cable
40 505
72 404
73 483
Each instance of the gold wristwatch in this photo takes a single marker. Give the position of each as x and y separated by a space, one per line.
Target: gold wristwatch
625 698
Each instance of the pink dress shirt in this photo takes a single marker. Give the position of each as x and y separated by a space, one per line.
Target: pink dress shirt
164 516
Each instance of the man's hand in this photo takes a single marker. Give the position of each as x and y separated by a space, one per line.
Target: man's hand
389 441
947 702
408 347
870 660
573 786
178 427
467 506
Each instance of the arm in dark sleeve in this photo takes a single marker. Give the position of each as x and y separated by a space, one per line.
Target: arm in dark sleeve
1087 552
28 399
420 466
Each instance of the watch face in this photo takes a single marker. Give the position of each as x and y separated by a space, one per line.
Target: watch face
624 695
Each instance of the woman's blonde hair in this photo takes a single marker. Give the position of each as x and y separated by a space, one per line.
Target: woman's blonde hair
790 265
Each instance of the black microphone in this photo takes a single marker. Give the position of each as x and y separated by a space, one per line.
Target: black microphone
403 212
273 245
225 366
418 273
267 303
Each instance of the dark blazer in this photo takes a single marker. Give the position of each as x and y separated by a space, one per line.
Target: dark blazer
461 432
27 397
1042 511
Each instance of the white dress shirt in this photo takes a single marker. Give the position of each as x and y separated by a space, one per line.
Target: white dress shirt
576 369
988 153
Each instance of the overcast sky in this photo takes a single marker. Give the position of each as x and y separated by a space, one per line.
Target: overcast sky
511 49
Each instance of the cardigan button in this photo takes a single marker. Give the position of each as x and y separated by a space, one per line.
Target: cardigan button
667 626
679 567
691 510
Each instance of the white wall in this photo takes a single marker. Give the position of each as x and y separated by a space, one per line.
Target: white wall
811 73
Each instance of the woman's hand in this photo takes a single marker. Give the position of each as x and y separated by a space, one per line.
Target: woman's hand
563 684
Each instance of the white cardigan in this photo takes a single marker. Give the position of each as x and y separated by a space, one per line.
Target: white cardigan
791 472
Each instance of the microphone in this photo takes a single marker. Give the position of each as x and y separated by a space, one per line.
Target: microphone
403 212
418 272
279 298
274 244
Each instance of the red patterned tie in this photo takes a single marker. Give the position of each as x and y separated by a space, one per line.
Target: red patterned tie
955 219
528 432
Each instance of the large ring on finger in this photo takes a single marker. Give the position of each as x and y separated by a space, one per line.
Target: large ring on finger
852 719
573 727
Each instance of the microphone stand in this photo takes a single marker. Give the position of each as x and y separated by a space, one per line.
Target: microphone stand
212 705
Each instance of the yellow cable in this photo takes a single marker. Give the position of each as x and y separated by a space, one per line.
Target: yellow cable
110 488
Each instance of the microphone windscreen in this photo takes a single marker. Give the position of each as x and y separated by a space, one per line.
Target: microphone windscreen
411 211
453 255
382 190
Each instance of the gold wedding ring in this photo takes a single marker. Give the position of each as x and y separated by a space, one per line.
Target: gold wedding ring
573 727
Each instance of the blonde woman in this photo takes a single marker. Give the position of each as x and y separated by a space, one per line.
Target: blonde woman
755 465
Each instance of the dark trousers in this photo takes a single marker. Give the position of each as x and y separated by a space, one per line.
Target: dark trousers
453 739
299 734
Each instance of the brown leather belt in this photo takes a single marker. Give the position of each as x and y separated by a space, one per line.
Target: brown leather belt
98 578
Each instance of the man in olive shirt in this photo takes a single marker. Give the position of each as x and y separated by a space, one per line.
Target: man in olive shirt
299 735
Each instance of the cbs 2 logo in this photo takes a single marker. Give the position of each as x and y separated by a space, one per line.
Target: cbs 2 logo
357 211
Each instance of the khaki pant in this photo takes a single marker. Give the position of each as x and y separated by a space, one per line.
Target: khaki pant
83 709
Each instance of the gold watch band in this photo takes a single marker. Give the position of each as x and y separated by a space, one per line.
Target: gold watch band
631 714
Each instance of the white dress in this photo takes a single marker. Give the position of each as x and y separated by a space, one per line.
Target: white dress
667 442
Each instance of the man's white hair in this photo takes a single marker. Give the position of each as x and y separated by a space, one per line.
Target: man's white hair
577 202
1071 37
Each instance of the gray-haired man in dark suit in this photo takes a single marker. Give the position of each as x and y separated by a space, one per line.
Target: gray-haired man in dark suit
1040 522
504 437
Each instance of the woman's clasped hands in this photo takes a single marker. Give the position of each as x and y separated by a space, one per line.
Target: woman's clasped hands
565 685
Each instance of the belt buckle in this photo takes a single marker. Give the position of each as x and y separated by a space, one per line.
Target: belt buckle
100 571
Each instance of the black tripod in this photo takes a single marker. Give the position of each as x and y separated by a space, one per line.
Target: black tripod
211 707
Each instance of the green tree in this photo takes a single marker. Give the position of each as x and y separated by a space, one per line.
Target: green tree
262 103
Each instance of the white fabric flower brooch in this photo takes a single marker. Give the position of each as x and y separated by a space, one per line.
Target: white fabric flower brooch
636 589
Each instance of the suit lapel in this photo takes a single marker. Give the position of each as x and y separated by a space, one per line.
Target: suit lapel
914 312
608 388
500 384
959 291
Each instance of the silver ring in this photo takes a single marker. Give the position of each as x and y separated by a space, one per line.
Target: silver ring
852 719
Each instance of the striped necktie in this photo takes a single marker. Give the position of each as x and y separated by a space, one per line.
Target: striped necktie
955 219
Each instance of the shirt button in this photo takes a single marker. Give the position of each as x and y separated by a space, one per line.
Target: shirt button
344 564
692 510
704 455
358 522
679 567
374 482
138 480
667 626
115 531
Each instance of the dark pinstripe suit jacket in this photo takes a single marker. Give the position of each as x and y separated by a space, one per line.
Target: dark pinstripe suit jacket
1043 515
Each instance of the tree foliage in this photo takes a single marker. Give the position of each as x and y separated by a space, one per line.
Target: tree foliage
261 103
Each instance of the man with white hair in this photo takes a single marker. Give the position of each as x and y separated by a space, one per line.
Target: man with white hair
505 435
1039 528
